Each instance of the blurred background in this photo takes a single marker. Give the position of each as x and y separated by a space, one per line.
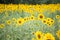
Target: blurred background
29 1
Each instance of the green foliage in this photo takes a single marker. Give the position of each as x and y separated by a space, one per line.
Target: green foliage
30 1
24 32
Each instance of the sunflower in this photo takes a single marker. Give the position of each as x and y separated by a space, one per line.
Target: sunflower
49 21
52 21
33 39
1 25
13 7
8 22
33 33
49 24
14 19
40 16
58 34
39 35
20 21
59 20
32 18
2 7
49 36
26 19
8 7
44 21
57 16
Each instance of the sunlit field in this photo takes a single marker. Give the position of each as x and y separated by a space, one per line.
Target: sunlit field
29 22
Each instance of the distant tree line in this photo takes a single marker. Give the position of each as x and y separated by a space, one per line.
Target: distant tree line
29 1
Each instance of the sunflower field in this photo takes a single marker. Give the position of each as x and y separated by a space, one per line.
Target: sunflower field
29 22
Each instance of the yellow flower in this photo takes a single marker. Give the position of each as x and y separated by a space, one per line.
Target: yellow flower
1 25
33 38
40 16
39 8
49 36
8 22
26 19
8 7
44 21
14 19
32 18
39 35
52 9
49 24
14 7
20 21
59 21
49 21
2 7
58 34
33 33
52 21
57 16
